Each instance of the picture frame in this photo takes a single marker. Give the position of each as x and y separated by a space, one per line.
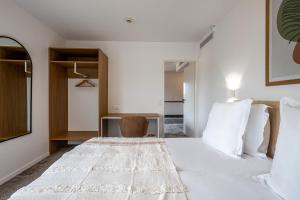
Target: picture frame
282 47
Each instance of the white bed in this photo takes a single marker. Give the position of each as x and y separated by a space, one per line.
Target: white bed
205 172
212 175
169 169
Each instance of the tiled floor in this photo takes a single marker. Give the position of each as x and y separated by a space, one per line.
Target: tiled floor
174 127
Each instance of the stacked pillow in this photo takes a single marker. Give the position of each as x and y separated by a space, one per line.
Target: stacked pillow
232 126
257 134
284 178
226 126
235 128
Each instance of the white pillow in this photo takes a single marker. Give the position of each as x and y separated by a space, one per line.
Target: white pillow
257 136
285 173
226 126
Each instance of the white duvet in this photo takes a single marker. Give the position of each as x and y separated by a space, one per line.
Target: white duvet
211 175
100 169
109 169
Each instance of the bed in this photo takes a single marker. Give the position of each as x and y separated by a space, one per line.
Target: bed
166 169
211 175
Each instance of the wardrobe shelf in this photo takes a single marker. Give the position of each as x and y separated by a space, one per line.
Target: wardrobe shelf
13 53
75 136
79 63
14 60
70 54
20 63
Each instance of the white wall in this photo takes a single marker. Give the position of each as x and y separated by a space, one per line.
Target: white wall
238 46
136 73
20 153
83 112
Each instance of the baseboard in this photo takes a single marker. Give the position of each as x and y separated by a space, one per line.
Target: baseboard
21 169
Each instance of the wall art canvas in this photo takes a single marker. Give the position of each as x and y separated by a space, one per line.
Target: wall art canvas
282 42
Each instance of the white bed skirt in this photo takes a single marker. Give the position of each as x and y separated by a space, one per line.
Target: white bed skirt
110 169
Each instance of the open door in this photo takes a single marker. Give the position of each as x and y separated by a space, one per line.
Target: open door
189 100
179 105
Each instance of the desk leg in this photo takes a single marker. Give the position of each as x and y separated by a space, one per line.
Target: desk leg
158 134
101 128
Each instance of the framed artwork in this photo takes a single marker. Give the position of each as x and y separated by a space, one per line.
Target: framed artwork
282 42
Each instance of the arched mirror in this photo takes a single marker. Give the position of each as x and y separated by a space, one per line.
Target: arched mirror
15 89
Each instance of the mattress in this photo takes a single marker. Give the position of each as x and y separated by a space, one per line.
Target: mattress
211 175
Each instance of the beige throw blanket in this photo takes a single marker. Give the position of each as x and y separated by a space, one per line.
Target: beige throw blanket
110 169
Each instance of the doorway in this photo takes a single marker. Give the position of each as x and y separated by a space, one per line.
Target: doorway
179 99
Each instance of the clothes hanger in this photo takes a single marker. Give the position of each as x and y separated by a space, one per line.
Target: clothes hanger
86 83
80 74
26 68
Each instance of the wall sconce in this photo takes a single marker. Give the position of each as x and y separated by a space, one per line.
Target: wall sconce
233 82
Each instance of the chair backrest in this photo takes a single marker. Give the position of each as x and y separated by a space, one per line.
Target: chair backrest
133 126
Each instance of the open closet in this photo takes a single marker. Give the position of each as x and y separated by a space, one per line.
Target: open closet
83 65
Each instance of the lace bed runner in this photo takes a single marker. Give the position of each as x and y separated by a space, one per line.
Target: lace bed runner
110 169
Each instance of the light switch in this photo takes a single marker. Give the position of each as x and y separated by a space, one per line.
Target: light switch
116 108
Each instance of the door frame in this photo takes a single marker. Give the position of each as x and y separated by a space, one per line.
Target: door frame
195 91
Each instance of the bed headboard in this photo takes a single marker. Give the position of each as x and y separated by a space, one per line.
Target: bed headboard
274 122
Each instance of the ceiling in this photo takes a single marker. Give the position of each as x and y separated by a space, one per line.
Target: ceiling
155 20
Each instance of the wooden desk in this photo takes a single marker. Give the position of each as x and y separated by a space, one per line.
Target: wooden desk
118 116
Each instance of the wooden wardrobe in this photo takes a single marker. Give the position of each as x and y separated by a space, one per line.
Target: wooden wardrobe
91 62
15 103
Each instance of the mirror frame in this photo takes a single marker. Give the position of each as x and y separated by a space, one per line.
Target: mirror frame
30 130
